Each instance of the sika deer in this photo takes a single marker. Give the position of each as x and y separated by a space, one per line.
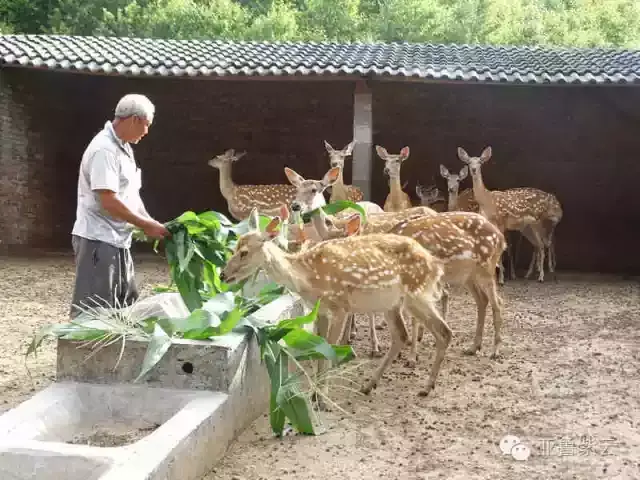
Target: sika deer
464 201
397 199
242 198
470 247
327 228
430 197
340 191
522 209
361 274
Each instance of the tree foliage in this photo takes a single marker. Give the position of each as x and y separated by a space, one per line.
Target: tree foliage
499 22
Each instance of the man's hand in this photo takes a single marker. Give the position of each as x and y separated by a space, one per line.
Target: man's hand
155 229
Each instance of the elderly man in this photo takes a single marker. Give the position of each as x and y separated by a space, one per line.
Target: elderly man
109 204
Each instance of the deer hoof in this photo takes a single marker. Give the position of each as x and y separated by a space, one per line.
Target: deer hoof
471 350
495 355
426 391
411 362
366 389
376 353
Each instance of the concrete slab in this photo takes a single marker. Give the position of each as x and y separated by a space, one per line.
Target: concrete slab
200 409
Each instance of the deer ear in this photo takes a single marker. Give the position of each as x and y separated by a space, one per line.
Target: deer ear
272 227
463 173
348 150
353 225
331 176
443 171
382 152
463 155
293 177
328 146
419 190
486 154
404 153
284 212
254 220
239 156
229 153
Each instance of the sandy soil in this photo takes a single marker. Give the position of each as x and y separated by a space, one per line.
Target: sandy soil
567 386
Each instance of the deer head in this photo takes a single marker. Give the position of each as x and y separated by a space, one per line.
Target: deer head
392 162
337 157
474 162
328 229
428 195
453 179
226 158
249 254
309 193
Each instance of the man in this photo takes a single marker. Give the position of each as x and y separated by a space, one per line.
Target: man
109 204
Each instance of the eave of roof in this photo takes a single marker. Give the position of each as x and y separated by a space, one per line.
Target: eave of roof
215 58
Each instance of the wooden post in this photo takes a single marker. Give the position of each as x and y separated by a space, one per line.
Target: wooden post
363 135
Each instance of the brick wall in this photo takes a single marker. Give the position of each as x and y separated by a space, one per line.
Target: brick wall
48 118
580 143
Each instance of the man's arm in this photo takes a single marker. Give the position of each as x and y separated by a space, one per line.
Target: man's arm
104 178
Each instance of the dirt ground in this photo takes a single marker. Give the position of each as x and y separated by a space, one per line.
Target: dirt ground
566 386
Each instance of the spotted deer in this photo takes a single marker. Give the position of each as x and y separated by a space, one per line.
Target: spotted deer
522 209
430 197
242 198
397 199
329 227
470 247
464 201
360 274
340 191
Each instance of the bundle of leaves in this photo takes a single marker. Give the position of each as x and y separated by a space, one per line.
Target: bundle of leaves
199 247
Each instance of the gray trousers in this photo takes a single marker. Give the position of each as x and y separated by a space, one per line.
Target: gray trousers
104 276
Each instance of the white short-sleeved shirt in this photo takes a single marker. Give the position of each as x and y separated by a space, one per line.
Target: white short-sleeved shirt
107 163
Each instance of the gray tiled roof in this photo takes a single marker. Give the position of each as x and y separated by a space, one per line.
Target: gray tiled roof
140 56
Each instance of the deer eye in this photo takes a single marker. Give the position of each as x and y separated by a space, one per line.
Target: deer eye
243 253
314 190
327 222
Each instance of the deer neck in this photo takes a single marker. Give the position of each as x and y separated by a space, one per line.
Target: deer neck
453 201
284 269
483 197
226 183
395 191
338 189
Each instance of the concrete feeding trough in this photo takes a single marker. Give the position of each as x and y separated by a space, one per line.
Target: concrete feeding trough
176 423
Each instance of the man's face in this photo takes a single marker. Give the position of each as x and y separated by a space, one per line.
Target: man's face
139 127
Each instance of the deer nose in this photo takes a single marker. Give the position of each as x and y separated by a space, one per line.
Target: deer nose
223 277
296 207
334 165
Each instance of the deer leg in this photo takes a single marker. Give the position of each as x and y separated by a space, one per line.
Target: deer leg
375 344
415 334
481 307
424 310
512 268
490 290
399 338
537 236
346 335
533 234
352 328
501 269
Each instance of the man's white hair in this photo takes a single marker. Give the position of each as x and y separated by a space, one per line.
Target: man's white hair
135 104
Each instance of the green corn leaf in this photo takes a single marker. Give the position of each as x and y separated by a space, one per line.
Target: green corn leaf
158 346
335 207
295 406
